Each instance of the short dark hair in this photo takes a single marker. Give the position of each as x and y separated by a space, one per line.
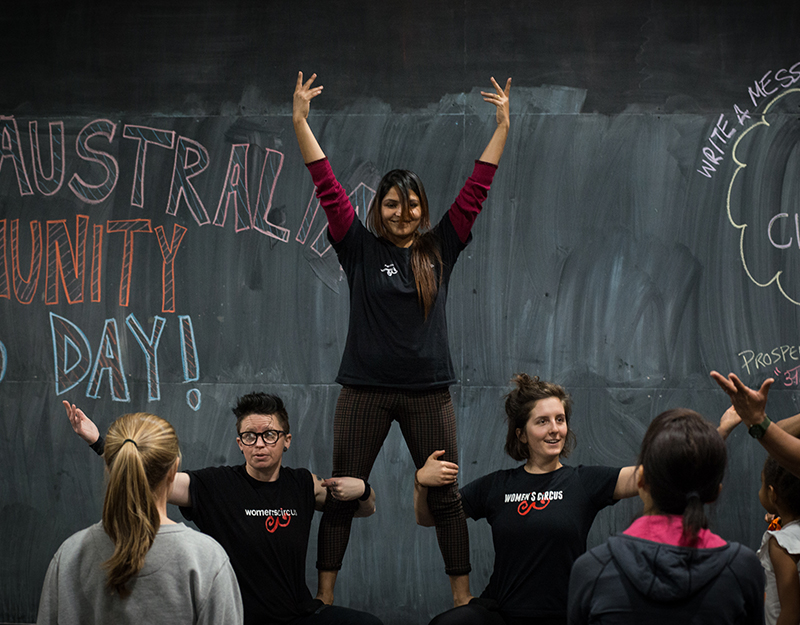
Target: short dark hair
261 403
684 460
519 403
785 485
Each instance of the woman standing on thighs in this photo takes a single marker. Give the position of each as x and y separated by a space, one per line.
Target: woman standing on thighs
396 363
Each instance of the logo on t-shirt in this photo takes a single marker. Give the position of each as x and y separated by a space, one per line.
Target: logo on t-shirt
533 500
389 269
275 518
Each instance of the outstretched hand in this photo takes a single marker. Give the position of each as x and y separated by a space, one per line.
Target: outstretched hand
728 421
345 488
749 404
499 97
437 472
81 424
303 94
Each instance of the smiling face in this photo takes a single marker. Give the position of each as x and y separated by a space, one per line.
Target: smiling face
400 222
263 461
545 431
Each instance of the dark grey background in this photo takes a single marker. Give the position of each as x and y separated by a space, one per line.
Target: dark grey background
603 260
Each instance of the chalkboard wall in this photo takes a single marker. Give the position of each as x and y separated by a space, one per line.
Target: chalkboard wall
161 249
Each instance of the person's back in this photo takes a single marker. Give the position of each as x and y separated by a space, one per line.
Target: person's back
630 580
186 578
137 566
668 567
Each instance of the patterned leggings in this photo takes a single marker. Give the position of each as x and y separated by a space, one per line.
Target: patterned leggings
362 421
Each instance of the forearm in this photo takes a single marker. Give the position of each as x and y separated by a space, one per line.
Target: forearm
333 198
494 149
309 147
422 512
366 507
784 447
790 425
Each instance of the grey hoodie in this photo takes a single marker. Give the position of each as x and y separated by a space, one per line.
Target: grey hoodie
631 580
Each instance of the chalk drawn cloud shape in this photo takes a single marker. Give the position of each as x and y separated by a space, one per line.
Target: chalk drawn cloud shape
779 152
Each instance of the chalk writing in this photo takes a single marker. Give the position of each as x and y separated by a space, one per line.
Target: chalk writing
776 276
753 361
3 361
73 359
65 260
766 86
718 141
791 377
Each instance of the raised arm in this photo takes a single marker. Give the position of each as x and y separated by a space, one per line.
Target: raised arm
345 489
498 97
751 407
434 472
303 94
84 427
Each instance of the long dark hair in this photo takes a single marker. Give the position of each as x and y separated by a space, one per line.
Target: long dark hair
426 259
684 460
519 403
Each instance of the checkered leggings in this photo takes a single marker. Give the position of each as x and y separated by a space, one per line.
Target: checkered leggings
362 421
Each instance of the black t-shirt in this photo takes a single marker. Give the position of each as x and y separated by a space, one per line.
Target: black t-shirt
389 341
539 527
264 528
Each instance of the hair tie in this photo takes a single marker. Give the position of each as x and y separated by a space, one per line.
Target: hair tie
693 494
130 440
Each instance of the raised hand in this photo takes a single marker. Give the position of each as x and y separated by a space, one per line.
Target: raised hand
749 404
81 424
303 94
499 97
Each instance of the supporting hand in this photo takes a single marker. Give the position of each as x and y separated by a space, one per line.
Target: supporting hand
345 488
437 472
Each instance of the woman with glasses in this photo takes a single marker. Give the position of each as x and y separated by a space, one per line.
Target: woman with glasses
137 565
396 363
540 512
261 514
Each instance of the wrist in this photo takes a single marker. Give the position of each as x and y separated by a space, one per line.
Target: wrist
759 428
367 491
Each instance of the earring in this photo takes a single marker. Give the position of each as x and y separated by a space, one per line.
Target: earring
285 449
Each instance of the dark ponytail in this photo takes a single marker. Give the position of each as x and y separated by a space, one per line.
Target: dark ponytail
684 460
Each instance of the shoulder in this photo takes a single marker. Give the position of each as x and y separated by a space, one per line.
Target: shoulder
743 562
788 538
191 539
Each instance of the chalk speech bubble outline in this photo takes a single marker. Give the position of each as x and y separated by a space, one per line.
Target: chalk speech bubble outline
743 227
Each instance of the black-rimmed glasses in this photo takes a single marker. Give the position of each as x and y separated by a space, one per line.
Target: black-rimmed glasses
270 437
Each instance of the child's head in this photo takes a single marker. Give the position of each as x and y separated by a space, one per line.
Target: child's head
780 490
683 461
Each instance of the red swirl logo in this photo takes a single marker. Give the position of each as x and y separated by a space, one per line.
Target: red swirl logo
524 507
274 522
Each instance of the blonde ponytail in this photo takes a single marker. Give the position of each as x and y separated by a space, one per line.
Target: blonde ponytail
140 450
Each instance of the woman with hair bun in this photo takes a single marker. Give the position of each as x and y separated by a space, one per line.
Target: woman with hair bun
540 512
137 565
668 567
